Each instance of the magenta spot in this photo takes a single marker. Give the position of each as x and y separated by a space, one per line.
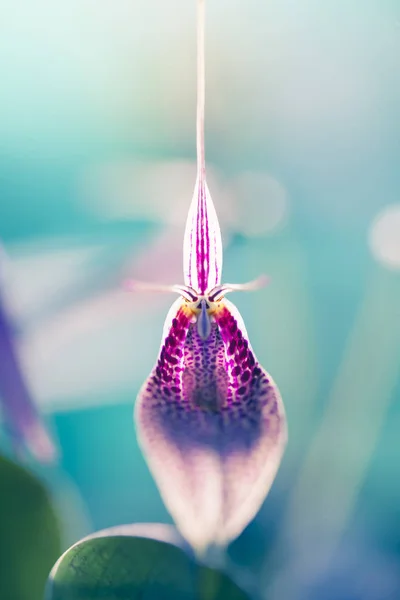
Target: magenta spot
243 353
236 371
233 326
246 376
171 359
174 323
232 347
182 319
180 334
176 389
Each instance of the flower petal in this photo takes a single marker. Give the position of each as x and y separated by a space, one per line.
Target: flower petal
211 423
202 246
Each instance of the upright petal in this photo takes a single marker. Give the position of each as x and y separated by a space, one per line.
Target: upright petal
202 245
211 424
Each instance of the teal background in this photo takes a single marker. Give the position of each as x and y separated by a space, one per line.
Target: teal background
305 93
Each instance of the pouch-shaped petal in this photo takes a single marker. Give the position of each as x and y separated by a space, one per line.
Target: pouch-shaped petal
211 423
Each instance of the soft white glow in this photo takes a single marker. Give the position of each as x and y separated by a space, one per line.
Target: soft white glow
69 357
71 361
37 272
261 203
384 237
158 191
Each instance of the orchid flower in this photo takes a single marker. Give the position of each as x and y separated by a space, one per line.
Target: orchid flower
209 419
18 408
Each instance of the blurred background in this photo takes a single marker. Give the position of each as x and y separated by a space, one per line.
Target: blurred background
97 169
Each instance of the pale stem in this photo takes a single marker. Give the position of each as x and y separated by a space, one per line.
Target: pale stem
201 163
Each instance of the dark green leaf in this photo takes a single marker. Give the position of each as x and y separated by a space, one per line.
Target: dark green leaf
138 562
29 534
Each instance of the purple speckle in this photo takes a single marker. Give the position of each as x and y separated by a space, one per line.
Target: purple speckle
243 353
233 327
246 376
232 347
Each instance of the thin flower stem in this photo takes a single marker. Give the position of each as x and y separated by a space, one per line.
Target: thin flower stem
201 164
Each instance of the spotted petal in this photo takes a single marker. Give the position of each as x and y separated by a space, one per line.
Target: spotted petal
211 423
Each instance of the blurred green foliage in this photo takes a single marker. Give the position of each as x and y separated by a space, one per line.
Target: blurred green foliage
29 534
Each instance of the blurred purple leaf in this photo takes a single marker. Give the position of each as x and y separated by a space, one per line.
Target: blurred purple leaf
19 411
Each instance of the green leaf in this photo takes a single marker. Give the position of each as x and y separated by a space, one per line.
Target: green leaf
29 534
137 562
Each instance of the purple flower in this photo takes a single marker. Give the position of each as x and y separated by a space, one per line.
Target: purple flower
210 419
19 411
